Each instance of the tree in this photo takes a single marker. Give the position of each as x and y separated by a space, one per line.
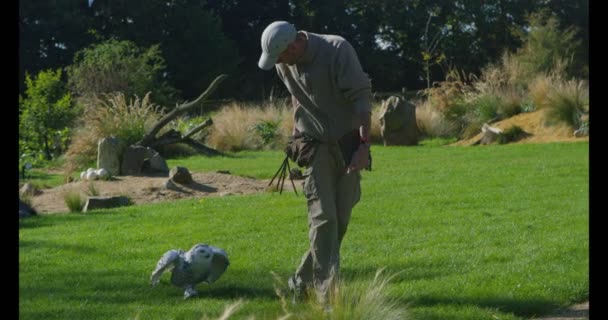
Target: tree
188 35
44 114
50 32
547 47
120 66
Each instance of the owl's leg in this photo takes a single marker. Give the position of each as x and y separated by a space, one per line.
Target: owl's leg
190 292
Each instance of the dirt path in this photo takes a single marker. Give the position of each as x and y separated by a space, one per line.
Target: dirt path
149 189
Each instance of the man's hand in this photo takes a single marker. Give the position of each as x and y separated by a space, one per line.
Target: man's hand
360 159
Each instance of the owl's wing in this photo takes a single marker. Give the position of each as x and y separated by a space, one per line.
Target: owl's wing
166 263
219 264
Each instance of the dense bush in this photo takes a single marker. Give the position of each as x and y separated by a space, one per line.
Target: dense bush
548 48
120 66
45 115
529 79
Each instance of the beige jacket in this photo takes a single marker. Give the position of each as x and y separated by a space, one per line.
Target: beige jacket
330 86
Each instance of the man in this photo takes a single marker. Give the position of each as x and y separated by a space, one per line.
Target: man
331 97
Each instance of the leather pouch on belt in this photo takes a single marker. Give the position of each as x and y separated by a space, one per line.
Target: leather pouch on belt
301 149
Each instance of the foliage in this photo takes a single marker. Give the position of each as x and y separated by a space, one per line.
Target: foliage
568 102
200 39
120 66
45 114
189 35
111 115
251 126
50 32
352 299
73 201
187 123
547 48
432 122
267 129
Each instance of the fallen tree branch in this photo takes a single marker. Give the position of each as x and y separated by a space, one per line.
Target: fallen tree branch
172 136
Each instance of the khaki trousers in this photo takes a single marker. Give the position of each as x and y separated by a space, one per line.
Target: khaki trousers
331 195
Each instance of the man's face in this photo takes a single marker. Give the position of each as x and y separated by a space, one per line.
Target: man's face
288 56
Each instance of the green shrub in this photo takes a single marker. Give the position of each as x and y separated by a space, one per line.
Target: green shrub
366 300
120 66
567 102
510 104
185 124
486 107
267 129
73 201
45 114
547 48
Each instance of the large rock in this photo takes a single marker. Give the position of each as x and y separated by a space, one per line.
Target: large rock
138 160
109 152
180 175
105 203
398 122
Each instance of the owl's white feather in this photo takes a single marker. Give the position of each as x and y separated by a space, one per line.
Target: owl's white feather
202 263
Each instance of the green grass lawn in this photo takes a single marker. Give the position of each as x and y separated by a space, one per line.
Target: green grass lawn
492 232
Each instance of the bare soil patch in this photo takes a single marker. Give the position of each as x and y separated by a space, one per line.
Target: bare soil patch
146 189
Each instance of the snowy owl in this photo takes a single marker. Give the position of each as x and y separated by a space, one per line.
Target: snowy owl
202 263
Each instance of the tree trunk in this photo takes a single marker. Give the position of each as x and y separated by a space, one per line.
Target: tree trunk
172 136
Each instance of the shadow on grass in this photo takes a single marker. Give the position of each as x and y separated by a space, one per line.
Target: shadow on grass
519 307
409 272
59 246
118 287
44 221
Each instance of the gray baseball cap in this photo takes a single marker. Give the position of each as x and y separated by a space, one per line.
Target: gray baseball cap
275 39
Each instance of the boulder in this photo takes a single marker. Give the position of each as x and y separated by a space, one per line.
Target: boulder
398 122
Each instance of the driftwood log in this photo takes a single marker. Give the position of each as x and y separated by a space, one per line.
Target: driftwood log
171 137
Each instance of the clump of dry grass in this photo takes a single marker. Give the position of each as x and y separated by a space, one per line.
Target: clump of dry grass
375 129
73 201
234 126
113 115
229 311
567 102
539 88
92 189
365 300
445 94
431 122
